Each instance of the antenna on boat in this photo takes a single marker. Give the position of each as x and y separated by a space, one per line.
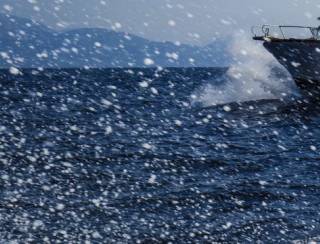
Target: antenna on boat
317 30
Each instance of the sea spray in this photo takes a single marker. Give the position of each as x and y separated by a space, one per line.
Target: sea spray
255 74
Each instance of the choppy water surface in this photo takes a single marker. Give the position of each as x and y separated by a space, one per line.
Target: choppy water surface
133 156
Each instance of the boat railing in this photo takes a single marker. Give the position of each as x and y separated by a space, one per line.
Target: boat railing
280 31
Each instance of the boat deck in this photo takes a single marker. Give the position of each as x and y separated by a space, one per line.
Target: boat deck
275 39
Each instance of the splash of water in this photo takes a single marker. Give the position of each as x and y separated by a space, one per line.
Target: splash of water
254 75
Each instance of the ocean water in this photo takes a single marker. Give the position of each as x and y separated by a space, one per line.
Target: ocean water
156 156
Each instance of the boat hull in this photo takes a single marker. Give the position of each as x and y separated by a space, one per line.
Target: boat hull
301 59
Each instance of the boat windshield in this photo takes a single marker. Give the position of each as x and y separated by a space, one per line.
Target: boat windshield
316 32
287 32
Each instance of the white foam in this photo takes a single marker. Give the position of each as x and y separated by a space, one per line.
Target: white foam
250 77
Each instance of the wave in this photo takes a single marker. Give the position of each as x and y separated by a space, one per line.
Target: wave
255 74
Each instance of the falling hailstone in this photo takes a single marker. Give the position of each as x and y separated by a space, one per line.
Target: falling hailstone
14 71
146 146
148 61
313 148
109 130
178 122
152 179
226 108
172 23
143 84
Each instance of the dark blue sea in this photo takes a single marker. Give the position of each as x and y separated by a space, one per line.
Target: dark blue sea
132 156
